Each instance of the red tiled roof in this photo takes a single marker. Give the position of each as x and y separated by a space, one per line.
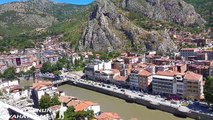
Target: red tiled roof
168 73
83 105
192 76
189 49
108 116
15 87
41 84
73 103
120 78
64 99
55 107
145 73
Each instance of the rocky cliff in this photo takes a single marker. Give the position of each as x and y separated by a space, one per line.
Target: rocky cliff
109 29
176 11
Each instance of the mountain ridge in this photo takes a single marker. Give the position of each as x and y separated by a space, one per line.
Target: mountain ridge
110 24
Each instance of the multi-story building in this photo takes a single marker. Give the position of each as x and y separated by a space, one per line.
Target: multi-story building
144 80
201 67
188 85
188 52
39 89
193 86
122 67
133 78
106 75
209 54
94 70
21 63
50 58
168 82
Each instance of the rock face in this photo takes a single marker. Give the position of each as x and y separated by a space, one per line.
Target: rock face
26 13
35 13
176 11
108 29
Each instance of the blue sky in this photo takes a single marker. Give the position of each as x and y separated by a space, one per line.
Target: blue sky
79 2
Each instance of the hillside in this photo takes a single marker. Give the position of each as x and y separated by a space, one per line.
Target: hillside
18 17
204 8
24 23
136 25
106 25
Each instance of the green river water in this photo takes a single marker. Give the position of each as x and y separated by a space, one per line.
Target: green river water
127 111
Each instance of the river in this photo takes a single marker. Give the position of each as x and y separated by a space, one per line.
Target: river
127 111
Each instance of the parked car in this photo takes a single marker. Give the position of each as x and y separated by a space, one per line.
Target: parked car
141 95
122 90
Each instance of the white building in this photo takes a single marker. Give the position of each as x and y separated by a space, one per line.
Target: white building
167 82
188 85
8 83
41 88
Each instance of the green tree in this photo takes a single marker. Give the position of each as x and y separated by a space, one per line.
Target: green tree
70 113
63 60
57 72
69 66
59 66
81 115
46 67
208 90
1 75
45 101
1 93
31 71
10 73
55 101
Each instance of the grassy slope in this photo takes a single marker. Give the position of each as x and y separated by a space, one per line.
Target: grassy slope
71 18
72 29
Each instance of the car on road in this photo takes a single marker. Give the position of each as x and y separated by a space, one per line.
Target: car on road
103 85
141 95
122 90
108 86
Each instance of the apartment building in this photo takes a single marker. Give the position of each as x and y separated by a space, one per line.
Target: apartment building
188 52
134 78
144 80
39 89
203 67
188 85
193 85
167 82
94 70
